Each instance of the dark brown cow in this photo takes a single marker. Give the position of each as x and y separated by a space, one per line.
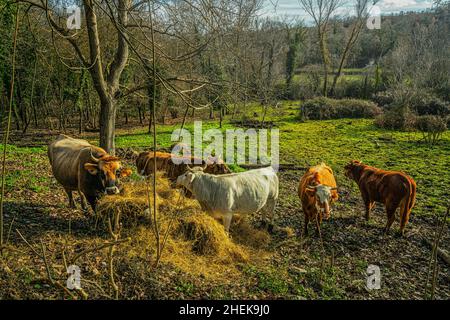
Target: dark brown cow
392 188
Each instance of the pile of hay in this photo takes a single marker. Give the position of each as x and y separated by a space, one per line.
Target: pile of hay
208 237
196 243
131 203
244 233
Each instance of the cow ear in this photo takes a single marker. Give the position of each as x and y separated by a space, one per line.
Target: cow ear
125 172
91 168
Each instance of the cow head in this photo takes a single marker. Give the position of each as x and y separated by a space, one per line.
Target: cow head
108 170
322 195
352 169
186 179
217 168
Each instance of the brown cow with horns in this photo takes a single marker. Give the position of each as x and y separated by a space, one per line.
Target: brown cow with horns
80 166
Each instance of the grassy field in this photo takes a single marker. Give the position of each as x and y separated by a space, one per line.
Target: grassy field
291 267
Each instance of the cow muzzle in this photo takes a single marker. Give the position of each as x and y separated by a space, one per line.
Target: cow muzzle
112 190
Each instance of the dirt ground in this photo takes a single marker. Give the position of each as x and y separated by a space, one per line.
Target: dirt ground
296 267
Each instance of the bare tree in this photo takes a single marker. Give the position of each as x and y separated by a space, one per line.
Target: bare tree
321 11
362 14
105 80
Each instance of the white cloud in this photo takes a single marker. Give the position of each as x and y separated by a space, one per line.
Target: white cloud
293 8
397 5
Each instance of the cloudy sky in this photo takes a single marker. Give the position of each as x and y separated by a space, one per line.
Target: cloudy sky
292 7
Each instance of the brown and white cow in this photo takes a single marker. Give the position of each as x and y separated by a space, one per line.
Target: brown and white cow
79 166
392 188
317 191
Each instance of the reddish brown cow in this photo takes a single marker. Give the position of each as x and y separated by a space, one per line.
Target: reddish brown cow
392 188
164 162
317 191
144 162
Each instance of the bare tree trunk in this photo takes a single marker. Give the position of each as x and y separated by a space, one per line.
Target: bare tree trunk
325 59
107 125
141 120
351 41
184 121
106 88
32 105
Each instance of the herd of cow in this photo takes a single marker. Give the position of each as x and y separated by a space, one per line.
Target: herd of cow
91 171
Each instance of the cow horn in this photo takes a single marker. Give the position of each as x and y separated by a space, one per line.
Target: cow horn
94 158
205 165
312 187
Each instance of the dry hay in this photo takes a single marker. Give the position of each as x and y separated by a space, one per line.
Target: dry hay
196 244
131 203
208 237
244 233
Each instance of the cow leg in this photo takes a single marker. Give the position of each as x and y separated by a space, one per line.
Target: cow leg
369 206
318 223
227 217
403 221
83 201
390 212
305 226
269 209
70 196
92 201
368 203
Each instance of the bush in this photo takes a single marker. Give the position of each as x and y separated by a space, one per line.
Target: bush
421 102
326 108
356 89
432 127
397 120
429 104
384 98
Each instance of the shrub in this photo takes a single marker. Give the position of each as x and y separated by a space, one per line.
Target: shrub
422 102
357 89
430 105
326 108
384 98
397 120
432 127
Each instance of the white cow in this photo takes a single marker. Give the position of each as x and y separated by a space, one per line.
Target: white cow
245 192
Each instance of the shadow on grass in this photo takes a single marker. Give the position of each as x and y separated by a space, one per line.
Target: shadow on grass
36 221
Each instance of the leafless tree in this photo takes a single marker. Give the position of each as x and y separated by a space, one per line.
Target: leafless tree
362 12
321 11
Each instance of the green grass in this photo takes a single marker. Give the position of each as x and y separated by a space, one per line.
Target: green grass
27 168
271 281
334 142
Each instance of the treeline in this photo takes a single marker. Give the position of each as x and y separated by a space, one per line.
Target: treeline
209 59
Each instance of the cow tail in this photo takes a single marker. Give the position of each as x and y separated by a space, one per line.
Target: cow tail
412 195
